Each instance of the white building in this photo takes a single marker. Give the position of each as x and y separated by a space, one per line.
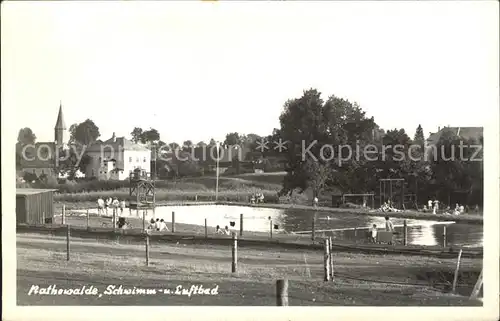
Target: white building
116 158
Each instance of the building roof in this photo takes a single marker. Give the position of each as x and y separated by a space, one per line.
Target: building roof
32 191
60 124
462 132
117 144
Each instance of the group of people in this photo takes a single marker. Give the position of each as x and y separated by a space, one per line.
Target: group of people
157 225
389 227
433 205
257 198
115 204
388 207
224 231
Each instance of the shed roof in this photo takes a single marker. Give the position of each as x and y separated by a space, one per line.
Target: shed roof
31 191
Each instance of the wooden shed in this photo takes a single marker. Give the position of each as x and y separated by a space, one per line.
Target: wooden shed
34 206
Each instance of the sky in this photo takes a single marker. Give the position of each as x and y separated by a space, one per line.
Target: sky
198 70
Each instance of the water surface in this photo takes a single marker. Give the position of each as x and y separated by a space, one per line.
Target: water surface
338 225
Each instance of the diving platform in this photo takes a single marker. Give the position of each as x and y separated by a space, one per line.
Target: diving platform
142 194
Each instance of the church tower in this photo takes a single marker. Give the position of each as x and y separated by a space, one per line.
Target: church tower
60 128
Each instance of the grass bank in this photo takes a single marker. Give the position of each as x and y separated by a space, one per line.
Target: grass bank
361 280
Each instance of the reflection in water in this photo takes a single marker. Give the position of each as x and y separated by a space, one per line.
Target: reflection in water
340 226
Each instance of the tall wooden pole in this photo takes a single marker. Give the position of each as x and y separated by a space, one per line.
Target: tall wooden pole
147 249
477 287
455 277
330 248
241 225
234 253
68 236
444 236
313 228
282 292
173 222
326 260
63 217
405 233
206 229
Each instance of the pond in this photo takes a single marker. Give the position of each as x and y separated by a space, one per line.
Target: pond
339 226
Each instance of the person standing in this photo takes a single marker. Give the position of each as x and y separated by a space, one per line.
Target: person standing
373 233
100 206
389 227
122 206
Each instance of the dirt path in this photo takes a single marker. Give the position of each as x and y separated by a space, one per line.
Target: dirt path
361 279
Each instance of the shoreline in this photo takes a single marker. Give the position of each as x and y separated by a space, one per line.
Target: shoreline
185 234
409 214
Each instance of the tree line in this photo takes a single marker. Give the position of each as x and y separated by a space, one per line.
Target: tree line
332 122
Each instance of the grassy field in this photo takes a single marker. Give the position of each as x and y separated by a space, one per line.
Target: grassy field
361 280
203 188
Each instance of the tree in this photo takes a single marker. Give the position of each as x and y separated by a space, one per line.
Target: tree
232 139
309 125
174 145
458 167
86 133
72 160
212 142
136 134
187 145
419 138
201 144
26 136
150 136
72 133
318 174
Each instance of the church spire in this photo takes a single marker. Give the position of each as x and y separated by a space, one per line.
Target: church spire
60 124
60 127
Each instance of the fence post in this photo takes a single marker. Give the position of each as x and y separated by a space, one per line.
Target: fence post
234 252
206 229
455 278
88 219
143 220
114 220
444 235
405 233
477 287
63 216
326 261
241 224
68 235
282 292
173 222
313 228
330 248
147 249
271 229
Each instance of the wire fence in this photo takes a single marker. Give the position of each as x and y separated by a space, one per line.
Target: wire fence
300 273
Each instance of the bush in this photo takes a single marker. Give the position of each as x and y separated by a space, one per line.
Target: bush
295 198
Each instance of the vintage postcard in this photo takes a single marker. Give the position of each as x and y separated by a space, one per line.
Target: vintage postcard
220 160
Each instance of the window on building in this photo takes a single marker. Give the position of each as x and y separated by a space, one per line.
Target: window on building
144 159
137 160
130 159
